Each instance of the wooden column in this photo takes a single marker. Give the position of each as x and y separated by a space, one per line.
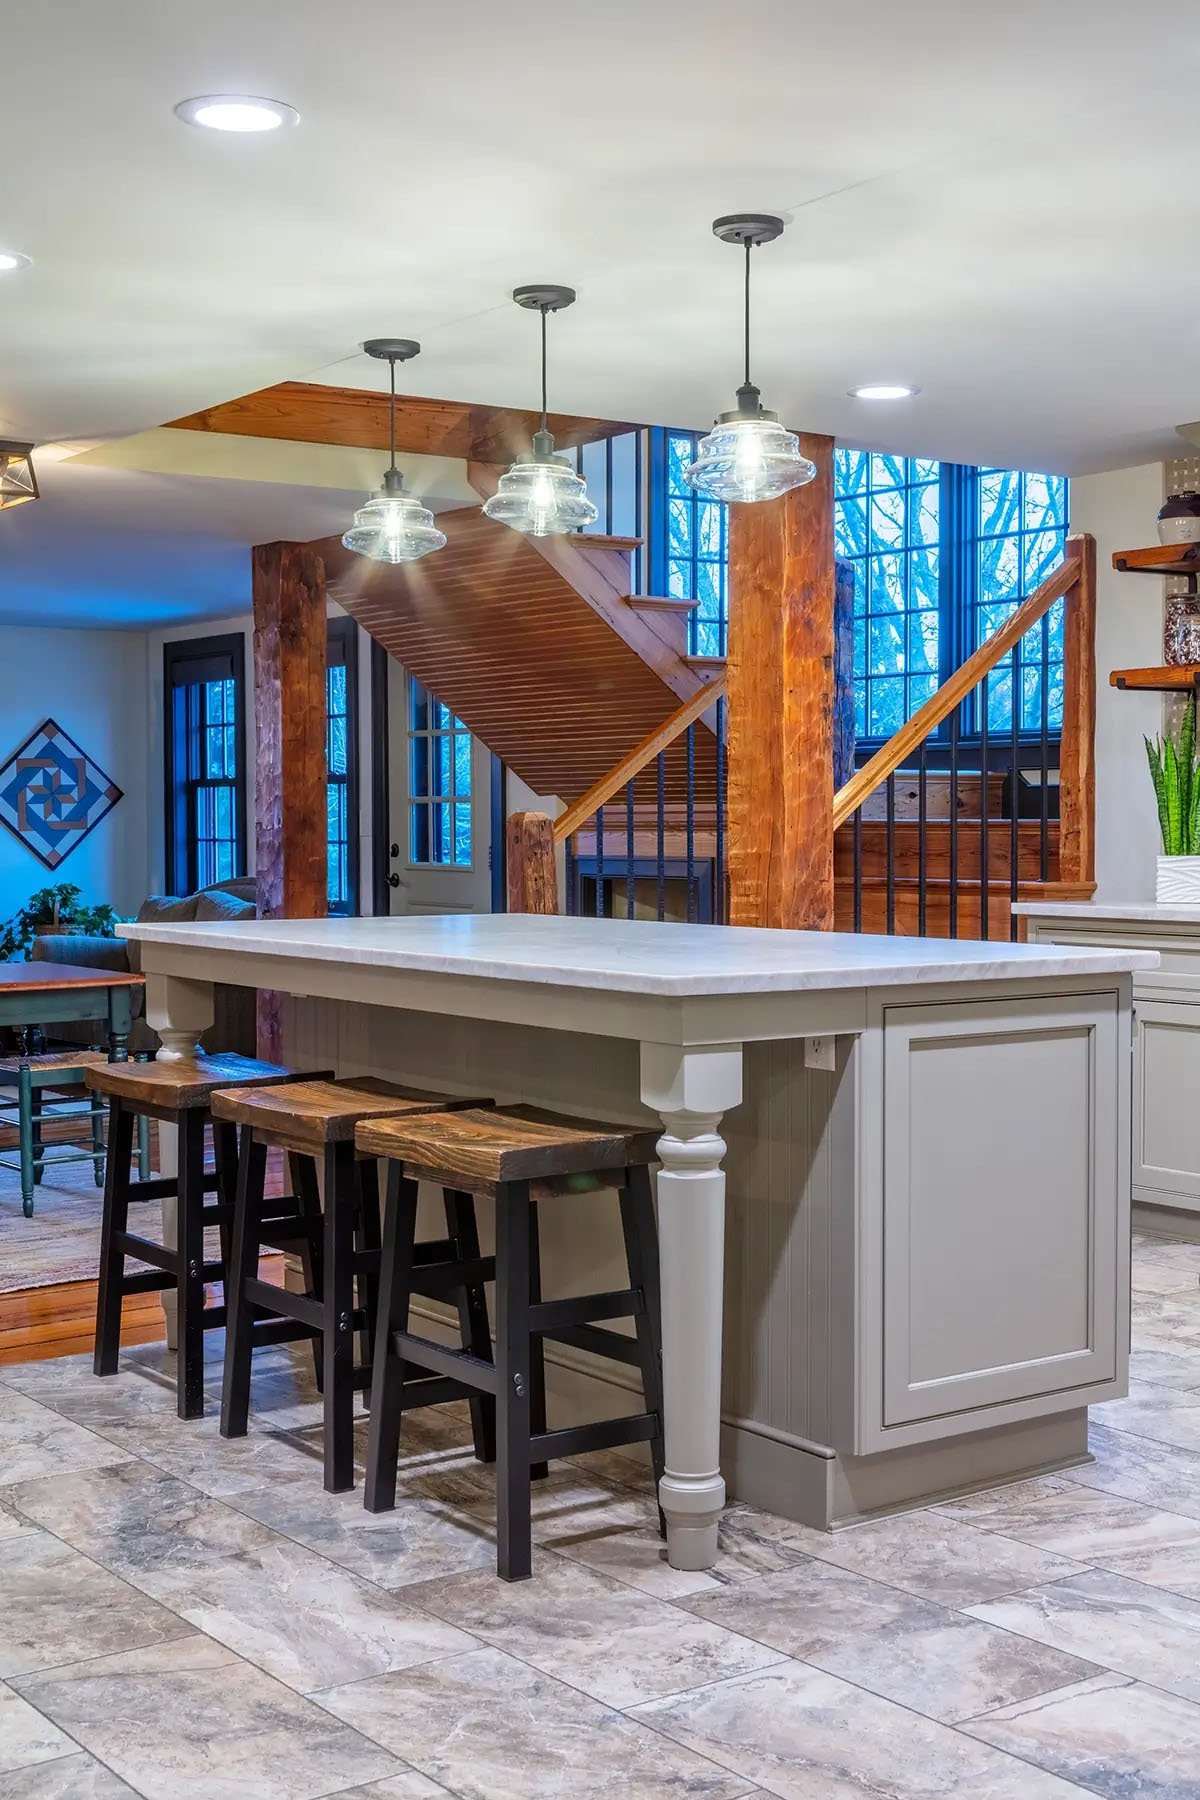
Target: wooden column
290 772
532 869
780 695
1077 760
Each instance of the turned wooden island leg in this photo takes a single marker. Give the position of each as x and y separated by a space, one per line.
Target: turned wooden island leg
178 1011
691 1090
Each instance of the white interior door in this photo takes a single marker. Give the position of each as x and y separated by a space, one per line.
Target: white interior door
440 791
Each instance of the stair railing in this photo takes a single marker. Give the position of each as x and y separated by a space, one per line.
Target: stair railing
994 867
680 808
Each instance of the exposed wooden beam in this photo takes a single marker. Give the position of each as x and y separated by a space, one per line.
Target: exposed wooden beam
308 413
532 869
780 696
290 775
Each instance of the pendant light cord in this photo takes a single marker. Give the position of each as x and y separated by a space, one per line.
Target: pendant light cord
392 410
543 310
748 248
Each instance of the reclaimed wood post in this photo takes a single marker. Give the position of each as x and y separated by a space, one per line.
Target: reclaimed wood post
532 869
780 697
1077 760
290 774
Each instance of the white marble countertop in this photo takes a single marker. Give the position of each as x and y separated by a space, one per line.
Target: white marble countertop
638 956
1148 912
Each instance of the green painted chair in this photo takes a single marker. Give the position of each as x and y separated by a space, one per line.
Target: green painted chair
51 1084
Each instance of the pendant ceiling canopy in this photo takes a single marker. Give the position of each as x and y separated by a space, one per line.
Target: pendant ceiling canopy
18 482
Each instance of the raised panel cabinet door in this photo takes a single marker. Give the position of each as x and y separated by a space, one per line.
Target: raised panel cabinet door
1001 1204
1166 1104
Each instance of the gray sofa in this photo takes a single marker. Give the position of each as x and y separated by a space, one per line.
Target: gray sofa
234 1022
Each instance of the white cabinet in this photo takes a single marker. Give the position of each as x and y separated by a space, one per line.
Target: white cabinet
1166 1044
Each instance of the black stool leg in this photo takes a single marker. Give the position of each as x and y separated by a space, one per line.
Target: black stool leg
339 1317
537 1354
514 1550
366 1242
241 1268
115 1219
473 1325
190 1375
641 1254
387 1368
225 1160
312 1260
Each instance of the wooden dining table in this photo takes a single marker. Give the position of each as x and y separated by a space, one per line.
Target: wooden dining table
44 993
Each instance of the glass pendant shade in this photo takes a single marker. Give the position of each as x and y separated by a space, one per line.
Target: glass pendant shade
747 457
541 494
18 482
393 527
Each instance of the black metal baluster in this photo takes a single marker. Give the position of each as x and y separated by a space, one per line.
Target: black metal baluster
572 879
639 514
660 844
691 824
608 486
629 849
1044 856
599 862
858 868
923 839
1014 796
985 823
891 854
953 930
719 871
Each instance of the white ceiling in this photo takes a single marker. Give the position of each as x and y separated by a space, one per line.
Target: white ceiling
991 202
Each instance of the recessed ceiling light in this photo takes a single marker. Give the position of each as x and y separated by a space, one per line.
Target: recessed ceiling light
883 390
12 259
236 112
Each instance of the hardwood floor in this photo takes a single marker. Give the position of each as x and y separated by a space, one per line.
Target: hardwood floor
61 1321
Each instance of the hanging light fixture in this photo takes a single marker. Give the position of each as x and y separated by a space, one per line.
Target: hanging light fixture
393 527
748 454
542 494
18 482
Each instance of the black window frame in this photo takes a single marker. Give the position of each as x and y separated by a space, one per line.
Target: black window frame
958 597
188 664
342 652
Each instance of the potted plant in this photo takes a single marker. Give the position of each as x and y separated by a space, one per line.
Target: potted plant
1176 775
52 910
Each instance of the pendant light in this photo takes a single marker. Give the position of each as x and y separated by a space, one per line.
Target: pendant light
393 527
541 494
18 482
748 454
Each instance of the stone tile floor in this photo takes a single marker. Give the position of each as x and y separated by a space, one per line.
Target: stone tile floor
180 1616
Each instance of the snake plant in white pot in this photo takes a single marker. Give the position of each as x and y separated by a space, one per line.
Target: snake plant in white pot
1176 775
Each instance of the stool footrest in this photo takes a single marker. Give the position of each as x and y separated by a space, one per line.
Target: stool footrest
281 1331
611 1344
581 1309
159 1256
479 1375
608 1434
434 1390
213 1317
301 1308
160 1187
439 1278
146 1281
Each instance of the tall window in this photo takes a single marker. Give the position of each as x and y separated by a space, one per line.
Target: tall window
942 554
204 686
690 548
341 760
439 781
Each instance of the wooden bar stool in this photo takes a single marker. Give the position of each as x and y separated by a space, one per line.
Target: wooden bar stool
176 1092
315 1121
517 1156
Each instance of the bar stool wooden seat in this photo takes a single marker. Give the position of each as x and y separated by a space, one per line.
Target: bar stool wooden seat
522 1158
315 1122
176 1092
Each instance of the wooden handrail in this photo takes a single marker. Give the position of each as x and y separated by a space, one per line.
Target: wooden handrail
636 759
952 693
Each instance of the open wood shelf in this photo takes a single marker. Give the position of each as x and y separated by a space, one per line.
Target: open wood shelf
1178 678
1159 559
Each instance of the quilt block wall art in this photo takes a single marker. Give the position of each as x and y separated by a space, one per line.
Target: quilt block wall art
52 794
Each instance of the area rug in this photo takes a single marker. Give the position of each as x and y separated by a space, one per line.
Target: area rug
62 1240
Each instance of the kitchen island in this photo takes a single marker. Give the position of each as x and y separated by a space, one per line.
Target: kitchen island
922 1281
